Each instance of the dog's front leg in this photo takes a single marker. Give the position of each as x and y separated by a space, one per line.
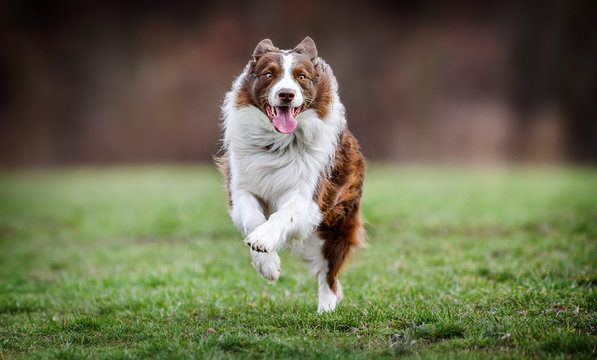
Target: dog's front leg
297 217
247 214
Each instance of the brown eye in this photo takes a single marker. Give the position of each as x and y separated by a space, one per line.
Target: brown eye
268 74
302 77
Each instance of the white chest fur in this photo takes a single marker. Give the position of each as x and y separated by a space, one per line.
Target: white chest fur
290 164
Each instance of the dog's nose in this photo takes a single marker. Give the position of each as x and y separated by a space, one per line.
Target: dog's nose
286 95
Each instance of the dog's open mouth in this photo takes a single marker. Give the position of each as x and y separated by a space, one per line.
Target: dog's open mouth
283 117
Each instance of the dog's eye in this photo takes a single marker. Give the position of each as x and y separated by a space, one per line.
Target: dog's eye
268 74
302 77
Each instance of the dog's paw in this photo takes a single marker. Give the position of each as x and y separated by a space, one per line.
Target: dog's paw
328 299
267 265
262 239
327 303
256 245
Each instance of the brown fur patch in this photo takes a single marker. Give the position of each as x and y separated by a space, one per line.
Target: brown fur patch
304 66
338 197
264 47
323 91
317 90
308 48
255 85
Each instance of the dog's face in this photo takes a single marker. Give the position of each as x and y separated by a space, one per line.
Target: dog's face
282 84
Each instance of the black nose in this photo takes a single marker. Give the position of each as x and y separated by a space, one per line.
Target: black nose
286 95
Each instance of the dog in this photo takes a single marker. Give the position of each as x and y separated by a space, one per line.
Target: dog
294 173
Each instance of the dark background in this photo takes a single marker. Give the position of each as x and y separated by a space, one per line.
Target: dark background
102 82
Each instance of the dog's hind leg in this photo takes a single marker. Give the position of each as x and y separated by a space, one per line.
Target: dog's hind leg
340 237
328 297
310 250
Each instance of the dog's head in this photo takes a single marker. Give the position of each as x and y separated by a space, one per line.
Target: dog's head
285 83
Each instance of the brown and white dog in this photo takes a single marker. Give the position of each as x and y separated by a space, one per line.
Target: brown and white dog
294 172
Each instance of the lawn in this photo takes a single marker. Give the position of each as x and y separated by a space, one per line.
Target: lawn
137 262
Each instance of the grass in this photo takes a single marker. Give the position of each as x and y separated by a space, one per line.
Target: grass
144 262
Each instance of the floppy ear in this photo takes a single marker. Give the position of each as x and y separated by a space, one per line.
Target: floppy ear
263 47
307 48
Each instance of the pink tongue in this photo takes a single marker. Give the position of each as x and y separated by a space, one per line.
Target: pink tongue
284 122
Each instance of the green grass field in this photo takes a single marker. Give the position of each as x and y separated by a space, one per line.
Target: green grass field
144 262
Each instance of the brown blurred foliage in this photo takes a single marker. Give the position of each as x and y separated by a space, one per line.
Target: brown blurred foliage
107 81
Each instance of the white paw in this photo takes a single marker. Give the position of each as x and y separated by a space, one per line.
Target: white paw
267 265
327 303
327 298
263 239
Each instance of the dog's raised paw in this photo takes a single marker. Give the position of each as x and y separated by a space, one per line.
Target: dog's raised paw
260 240
267 265
255 246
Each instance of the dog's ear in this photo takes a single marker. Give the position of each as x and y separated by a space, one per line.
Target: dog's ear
263 47
307 48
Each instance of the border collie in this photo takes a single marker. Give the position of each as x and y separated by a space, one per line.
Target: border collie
294 173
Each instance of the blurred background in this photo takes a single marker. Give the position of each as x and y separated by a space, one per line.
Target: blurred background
104 82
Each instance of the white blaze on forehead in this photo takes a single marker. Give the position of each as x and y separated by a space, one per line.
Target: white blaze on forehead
286 82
